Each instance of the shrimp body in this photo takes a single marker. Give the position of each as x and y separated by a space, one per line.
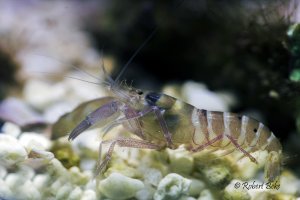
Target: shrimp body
161 121
199 129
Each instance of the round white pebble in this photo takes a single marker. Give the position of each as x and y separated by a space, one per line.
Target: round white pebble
89 195
117 186
3 172
172 186
5 191
11 151
34 140
11 129
75 194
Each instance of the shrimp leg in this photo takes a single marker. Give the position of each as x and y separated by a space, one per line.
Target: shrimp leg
233 141
209 143
163 126
101 165
122 142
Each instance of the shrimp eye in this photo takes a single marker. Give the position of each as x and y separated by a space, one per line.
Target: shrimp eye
152 98
139 92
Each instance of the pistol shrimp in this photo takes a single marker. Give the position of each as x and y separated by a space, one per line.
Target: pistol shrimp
161 121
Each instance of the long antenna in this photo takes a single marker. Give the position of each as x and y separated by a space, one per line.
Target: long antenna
135 53
71 65
75 78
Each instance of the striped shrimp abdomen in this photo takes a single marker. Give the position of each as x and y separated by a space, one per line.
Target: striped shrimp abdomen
232 132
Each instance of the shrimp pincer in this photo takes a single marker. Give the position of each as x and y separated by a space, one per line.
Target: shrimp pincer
160 121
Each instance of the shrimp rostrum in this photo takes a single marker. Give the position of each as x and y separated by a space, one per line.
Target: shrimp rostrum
160 121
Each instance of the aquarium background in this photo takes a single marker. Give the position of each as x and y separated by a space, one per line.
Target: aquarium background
235 55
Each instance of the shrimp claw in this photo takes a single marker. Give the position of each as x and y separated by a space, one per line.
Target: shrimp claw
98 115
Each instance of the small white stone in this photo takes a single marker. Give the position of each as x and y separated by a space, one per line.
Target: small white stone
78 177
5 191
89 195
11 151
117 186
152 176
27 191
172 186
11 129
217 174
13 180
22 187
145 194
57 169
34 140
206 195
56 185
196 187
91 185
75 194
3 172
64 191
289 184
40 181
26 172
181 162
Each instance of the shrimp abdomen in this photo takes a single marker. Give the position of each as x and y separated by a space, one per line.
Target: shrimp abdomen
224 130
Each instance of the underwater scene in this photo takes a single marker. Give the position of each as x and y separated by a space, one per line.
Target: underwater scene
142 100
